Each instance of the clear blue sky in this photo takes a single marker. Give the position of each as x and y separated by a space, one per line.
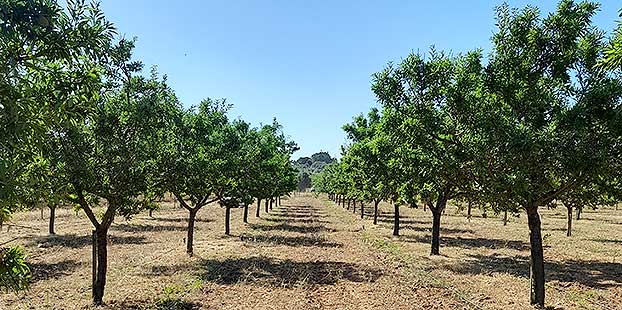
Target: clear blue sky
307 63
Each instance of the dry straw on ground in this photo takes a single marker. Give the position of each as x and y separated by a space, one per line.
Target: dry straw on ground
311 254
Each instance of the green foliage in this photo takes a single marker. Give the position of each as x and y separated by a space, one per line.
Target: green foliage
428 109
613 53
551 126
51 74
14 273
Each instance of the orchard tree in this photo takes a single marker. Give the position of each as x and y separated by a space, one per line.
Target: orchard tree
193 159
232 183
110 157
552 129
49 75
428 106
371 159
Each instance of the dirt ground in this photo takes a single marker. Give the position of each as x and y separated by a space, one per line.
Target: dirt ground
311 254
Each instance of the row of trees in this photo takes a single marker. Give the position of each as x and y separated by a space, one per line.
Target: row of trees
537 121
84 127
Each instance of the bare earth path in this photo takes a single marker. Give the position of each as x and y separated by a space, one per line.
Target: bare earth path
309 256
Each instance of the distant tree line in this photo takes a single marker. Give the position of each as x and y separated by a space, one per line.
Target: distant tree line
309 166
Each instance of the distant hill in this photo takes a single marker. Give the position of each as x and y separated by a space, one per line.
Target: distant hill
308 166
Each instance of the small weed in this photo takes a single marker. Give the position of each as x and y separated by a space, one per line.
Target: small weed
173 296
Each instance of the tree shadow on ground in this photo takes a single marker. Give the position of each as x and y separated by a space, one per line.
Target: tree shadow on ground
290 215
45 271
607 241
290 241
291 228
168 304
146 227
300 209
594 274
75 242
179 220
283 273
469 243
443 230
296 214
306 221
176 304
403 220
300 206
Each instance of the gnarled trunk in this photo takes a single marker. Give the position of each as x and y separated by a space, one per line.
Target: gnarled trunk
396 219
245 213
436 231
569 226
227 219
52 218
579 209
362 210
101 245
191 219
537 257
437 212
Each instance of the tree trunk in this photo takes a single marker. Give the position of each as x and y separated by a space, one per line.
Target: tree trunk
569 227
227 218
376 202
271 203
258 207
150 212
41 212
579 209
52 218
101 241
189 240
537 257
362 210
436 231
469 212
266 205
505 218
245 213
396 219
424 207
94 263
354 206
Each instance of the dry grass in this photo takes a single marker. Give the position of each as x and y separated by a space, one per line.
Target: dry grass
311 254
487 264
